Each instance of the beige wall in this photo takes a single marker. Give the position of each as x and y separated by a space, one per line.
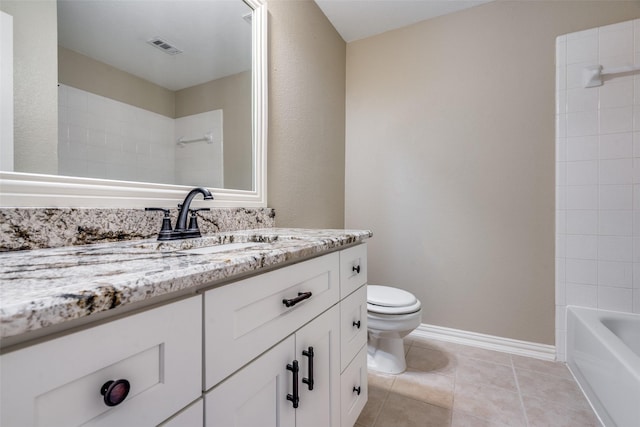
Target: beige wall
35 77
80 71
450 160
306 116
233 95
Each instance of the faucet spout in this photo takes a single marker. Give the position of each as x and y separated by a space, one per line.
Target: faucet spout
181 224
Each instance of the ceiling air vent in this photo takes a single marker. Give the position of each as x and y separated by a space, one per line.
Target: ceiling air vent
164 46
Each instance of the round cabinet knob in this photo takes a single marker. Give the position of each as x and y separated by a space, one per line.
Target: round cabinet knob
115 392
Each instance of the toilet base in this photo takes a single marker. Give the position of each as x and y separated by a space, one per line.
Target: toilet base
386 355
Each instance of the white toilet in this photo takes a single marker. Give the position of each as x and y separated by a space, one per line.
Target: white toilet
391 315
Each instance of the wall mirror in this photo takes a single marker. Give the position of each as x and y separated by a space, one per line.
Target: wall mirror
151 98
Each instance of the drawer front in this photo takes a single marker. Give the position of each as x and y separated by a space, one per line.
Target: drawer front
245 318
353 269
352 380
353 325
58 382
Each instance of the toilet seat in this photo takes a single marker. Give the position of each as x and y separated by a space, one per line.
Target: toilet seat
388 300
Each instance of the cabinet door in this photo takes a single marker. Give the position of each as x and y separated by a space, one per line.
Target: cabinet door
321 405
257 394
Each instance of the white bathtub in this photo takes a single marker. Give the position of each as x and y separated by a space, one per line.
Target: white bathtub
603 353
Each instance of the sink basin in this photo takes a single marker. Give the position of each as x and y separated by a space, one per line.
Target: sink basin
219 242
223 248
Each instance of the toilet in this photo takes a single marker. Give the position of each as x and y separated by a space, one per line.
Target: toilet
392 314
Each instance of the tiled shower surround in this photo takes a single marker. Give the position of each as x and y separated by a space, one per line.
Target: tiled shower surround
597 175
102 138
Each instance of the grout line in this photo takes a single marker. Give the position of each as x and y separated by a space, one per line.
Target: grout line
515 376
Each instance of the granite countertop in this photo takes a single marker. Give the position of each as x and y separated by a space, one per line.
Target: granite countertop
45 287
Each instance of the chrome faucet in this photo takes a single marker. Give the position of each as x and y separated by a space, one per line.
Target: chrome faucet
181 231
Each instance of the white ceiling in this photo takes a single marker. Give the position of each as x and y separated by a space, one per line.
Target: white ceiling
216 40
357 19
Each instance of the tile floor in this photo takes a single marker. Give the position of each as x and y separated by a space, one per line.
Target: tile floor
452 385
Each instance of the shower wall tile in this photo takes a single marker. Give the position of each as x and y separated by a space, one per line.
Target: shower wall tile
582 197
618 274
616 299
616 146
616 197
597 175
581 221
103 138
582 148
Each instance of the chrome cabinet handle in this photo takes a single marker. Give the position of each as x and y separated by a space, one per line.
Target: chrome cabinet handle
293 301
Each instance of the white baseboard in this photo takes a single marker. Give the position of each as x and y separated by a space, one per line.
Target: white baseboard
489 342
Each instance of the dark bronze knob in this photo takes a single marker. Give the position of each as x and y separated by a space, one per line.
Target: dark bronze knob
356 268
115 392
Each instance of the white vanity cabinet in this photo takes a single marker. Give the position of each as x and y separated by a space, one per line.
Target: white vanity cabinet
59 382
252 382
226 358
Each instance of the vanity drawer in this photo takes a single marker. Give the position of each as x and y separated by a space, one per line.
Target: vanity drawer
59 382
245 318
353 325
353 269
354 389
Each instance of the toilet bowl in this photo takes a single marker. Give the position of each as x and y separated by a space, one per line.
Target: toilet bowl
391 315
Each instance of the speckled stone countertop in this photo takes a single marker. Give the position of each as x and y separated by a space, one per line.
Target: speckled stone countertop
45 287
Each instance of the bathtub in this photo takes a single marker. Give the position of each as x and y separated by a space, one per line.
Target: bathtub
603 353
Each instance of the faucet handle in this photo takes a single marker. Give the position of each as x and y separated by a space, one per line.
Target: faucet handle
193 220
166 230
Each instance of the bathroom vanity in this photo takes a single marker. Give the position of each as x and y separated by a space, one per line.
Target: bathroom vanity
264 327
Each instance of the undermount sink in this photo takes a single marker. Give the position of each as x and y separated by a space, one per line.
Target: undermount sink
223 248
215 243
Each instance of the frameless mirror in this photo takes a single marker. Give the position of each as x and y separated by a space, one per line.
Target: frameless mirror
151 96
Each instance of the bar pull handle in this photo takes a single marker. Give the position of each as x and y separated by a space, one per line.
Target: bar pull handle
309 381
295 397
293 301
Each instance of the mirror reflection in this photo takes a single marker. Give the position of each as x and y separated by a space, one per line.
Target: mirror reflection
152 91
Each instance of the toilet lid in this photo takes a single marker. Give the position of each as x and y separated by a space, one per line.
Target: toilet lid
387 300
386 296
